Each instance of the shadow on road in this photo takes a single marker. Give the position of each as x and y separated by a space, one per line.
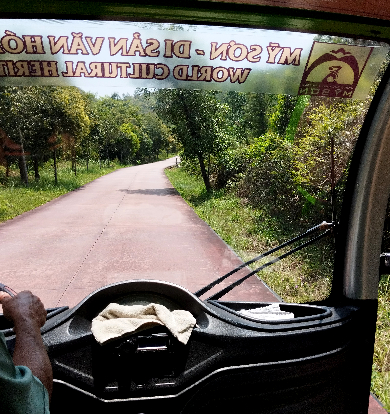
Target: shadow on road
154 191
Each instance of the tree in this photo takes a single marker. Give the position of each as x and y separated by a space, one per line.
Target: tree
237 114
157 137
70 113
198 120
26 119
36 116
118 127
324 143
280 113
256 114
128 139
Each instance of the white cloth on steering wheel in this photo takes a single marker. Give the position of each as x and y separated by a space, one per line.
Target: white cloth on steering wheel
119 320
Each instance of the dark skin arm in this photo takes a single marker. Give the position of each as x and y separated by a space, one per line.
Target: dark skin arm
28 314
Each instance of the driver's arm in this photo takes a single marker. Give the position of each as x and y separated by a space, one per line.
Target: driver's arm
28 314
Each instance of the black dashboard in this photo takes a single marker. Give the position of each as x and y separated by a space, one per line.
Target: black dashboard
152 369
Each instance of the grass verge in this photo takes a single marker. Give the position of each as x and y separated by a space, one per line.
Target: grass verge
380 380
299 278
249 231
16 198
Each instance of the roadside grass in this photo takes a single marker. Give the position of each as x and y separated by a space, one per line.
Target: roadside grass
302 277
380 380
16 198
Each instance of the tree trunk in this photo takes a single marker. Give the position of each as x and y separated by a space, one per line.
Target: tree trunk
22 162
36 169
333 184
55 166
204 173
194 134
23 169
73 167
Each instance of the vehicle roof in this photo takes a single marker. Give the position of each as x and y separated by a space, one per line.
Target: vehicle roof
348 18
379 9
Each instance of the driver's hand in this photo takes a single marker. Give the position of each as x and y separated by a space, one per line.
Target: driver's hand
24 308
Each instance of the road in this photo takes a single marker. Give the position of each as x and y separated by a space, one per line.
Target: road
130 224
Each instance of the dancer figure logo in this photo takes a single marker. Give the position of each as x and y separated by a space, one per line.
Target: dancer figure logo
334 70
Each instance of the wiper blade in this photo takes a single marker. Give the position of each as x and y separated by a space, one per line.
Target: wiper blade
320 227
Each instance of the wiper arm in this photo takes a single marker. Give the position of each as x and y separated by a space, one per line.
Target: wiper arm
320 227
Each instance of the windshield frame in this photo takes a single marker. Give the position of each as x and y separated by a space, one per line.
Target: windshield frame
359 277
244 13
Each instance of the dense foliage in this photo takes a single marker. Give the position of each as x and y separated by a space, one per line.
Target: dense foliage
39 123
200 122
287 153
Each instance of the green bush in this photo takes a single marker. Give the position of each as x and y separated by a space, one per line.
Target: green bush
268 180
229 166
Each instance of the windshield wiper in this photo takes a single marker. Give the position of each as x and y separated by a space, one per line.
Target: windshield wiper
324 226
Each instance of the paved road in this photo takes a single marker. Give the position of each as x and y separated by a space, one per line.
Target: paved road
130 224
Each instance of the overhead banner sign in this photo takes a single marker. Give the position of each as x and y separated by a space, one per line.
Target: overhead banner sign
130 55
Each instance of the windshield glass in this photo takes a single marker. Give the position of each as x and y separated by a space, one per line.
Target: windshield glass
264 123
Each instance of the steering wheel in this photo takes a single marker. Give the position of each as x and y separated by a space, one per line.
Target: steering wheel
7 289
5 325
